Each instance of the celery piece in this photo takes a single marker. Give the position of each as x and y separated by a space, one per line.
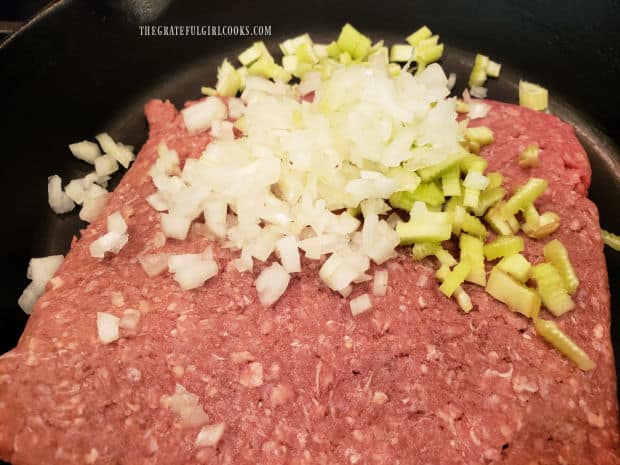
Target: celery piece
481 61
305 54
445 257
429 42
495 179
528 157
333 51
493 69
355 211
289 46
263 67
451 182
401 52
472 249
227 80
419 35
394 69
428 54
516 266
353 42
455 278
488 198
480 134
462 106
458 216
551 289
474 226
442 273
524 195
471 198
423 249
516 296
452 203
556 254
533 96
435 171
411 232
495 219
513 223
320 50
551 333
477 77
345 58
611 239
250 55
290 63
242 72
473 162
531 216
426 192
210 91
503 246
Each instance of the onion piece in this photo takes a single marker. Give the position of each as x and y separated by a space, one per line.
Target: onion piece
154 264
210 435
92 206
191 270
360 304
111 242
288 252
175 226
58 200
117 152
106 164
40 271
116 223
478 109
271 284
200 116
107 327
85 151
380 283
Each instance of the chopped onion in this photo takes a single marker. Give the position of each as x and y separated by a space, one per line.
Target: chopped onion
451 81
116 223
478 91
59 201
289 254
85 151
40 271
129 320
93 206
106 164
186 406
210 435
200 116
107 327
271 284
360 304
191 270
111 242
167 162
175 226
478 109
222 130
157 202
28 298
154 264
215 213
75 190
118 152
236 108
380 283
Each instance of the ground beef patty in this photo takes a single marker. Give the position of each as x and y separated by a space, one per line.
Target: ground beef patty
412 381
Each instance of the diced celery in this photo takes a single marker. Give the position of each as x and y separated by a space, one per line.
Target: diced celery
423 249
305 54
435 171
473 163
242 72
524 195
411 232
264 67
355 212
442 273
551 289
528 158
445 257
503 246
419 35
478 74
556 254
488 198
394 69
256 51
611 239
345 58
210 91
426 192
498 224
513 223
463 299
495 179
289 46
533 96
428 54
455 278
474 226
493 69
407 180
401 52
451 182
452 203
471 198
462 106
320 50
353 42
551 333
516 296
458 217
333 51
471 249
516 266
228 81
480 134
290 63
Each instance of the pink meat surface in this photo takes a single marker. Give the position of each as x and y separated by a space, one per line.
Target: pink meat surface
414 380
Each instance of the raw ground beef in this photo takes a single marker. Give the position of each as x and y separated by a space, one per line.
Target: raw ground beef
413 381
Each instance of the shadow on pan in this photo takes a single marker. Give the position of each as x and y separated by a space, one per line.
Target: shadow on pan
80 68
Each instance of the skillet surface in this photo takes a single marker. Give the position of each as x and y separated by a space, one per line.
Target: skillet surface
79 69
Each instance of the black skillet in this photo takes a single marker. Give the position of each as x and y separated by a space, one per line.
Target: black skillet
82 66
